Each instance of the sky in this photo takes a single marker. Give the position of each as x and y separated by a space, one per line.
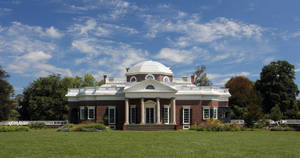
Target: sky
74 37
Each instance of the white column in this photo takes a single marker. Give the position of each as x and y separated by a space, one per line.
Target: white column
126 112
157 111
173 111
142 111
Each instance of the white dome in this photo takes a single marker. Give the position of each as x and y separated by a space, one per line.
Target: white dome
149 67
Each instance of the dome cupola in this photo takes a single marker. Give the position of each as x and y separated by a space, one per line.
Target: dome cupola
149 67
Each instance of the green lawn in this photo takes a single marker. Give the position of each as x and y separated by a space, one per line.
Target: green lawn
131 144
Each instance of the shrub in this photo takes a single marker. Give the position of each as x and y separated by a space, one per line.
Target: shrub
13 128
37 125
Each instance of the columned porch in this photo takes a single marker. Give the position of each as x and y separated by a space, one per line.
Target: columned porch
150 112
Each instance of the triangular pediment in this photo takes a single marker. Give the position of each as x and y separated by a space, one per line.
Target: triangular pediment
150 86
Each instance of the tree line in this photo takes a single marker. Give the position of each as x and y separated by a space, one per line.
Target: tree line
43 99
272 96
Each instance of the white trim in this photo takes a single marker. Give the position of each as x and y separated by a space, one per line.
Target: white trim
113 108
131 78
166 77
189 115
149 75
203 112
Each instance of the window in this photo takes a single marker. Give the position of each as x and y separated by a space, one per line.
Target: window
87 113
133 79
149 77
150 116
215 113
186 115
150 87
166 79
206 113
166 114
111 115
91 113
132 113
82 112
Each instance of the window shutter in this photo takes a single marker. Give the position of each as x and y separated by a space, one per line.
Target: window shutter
191 115
181 116
211 111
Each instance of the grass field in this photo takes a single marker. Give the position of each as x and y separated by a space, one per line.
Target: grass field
131 144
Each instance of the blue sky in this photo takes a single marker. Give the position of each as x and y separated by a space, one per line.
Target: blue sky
74 37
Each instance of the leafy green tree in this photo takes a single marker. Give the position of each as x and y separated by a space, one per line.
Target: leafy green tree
44 99
277 87
7 105
201 78
89 80
243 94
100 83
276 113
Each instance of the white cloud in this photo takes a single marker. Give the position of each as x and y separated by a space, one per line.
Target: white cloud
192 31
175 55
36 56
52 32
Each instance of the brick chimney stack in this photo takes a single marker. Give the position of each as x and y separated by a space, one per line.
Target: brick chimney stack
104 78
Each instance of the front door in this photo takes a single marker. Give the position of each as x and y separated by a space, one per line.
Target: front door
150 115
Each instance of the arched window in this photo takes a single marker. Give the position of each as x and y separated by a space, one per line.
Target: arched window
166 79
133 79
149 77
150 87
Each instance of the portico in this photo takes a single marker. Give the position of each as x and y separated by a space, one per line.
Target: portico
151 112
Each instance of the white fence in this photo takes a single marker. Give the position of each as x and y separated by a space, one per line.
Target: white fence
24 123
288 122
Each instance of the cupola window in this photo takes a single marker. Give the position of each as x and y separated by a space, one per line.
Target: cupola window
166 79
133 79
149 77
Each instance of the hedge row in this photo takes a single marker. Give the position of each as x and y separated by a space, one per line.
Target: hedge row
13 128
93 127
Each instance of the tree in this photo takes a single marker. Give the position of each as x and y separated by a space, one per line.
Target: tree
44 99
89 80
277 87
243 94
7 105
201 77
252 114
276 114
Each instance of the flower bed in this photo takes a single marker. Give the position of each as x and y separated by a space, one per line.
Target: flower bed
92 127
216 125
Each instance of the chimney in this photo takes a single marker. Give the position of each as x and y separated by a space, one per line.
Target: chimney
184 78
110 79
127 69
193 79
104 78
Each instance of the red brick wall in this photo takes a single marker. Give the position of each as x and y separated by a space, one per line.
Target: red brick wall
101 108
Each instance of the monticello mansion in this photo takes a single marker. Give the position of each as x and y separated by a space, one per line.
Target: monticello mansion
148 98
